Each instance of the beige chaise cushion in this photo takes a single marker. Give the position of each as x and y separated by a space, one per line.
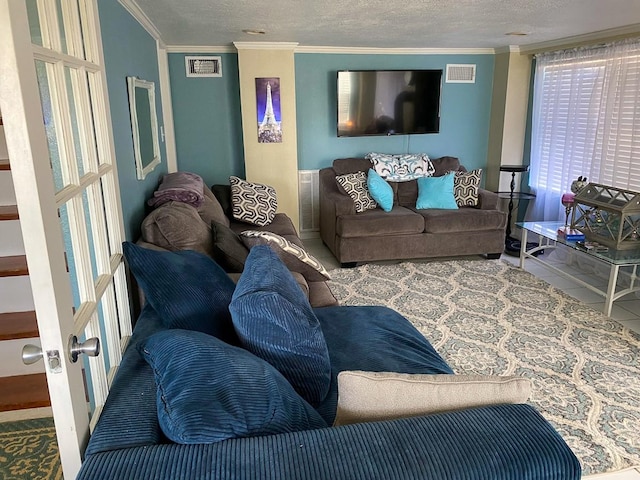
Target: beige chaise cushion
374 396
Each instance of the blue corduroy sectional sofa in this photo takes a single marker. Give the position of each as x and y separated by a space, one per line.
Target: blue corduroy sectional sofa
204 390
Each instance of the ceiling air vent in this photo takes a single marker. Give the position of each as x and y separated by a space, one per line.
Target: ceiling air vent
203 66
459 73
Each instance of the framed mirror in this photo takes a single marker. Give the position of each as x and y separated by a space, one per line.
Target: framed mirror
144 125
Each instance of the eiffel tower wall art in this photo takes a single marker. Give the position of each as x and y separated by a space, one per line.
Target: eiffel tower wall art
269 111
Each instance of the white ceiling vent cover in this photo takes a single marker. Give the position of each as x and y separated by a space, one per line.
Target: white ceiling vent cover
203 66
461 73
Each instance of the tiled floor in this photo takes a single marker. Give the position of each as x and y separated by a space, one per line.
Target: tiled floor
625 310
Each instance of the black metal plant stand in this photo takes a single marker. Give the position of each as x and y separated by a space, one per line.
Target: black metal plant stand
512 244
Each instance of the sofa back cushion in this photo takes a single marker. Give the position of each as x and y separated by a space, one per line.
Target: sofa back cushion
177 226
275 321
209 391
405 194
342 166
189 290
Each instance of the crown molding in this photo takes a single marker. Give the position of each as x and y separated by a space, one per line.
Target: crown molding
593 37
136 12
200 49
266 45
395 51
509 49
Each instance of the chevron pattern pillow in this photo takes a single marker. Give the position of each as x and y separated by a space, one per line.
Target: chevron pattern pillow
466 186
296 258
252 203
355 184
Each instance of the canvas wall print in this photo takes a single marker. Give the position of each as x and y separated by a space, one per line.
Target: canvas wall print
269 111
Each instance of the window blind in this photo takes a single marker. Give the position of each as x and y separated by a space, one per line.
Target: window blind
586 122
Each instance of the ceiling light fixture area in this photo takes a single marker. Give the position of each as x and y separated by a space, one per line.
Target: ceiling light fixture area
254 31
517 34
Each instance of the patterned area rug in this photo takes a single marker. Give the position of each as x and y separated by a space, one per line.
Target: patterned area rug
28 450
489 317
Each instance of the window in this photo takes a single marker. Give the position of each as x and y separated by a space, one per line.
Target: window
586 122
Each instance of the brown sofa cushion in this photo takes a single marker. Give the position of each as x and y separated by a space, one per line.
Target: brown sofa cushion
177 226
399 221
342 166
228 250
211 210
444 165
465 219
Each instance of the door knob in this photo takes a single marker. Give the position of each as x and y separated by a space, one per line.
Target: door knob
91 347
31 354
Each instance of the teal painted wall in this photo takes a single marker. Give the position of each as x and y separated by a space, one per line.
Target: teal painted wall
129 51
464 116
207 120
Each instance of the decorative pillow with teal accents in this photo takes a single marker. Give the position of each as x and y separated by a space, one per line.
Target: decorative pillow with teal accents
401 168
274 321
210 391
187 289
436 192
380 190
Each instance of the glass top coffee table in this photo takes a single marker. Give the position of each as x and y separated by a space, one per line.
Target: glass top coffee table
548 239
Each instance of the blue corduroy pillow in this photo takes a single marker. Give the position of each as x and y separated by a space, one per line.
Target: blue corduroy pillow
187 289
436 192
209 391
274 320
380 190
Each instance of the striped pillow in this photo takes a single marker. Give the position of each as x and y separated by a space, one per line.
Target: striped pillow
294 257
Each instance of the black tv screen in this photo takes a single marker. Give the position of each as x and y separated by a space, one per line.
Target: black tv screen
388 102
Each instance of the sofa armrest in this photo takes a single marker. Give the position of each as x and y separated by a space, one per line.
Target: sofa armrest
503 441
487 200
329 193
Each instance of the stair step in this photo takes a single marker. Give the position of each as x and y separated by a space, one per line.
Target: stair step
4 164
24 391
13 266
8 212
14 325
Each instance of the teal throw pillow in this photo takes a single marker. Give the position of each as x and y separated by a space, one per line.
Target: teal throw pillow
380 190
186 288
436 192
209 391
274 321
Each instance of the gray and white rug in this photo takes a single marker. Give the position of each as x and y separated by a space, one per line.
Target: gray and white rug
489 317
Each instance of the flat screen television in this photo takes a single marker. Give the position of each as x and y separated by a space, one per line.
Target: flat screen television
388 102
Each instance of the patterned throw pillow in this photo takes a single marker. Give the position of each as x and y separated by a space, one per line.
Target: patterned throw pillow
355 184
466 186
252 202
294 257
401 168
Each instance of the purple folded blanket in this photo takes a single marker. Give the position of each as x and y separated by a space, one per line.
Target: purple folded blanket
182 187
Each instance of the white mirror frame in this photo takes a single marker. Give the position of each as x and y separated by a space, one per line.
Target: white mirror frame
143 165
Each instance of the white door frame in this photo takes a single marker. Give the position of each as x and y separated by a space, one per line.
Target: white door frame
94 193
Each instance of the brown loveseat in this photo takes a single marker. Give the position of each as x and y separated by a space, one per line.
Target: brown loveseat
405 232
212 230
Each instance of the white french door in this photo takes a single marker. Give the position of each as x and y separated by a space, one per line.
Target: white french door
57 123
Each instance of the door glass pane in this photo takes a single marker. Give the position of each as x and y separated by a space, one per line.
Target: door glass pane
91 244
68 248
49 125
72 87
34 22
63 38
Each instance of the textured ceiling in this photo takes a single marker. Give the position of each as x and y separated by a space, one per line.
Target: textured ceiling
387 23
